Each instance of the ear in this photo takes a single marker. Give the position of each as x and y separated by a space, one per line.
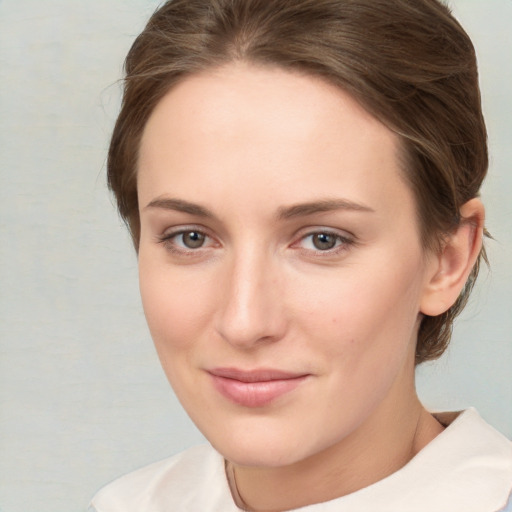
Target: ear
451 267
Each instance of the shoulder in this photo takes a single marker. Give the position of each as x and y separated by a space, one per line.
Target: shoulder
470 438
188 480
468 467
469 464
485 460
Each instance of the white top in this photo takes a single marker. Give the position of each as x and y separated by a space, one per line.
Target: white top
468 467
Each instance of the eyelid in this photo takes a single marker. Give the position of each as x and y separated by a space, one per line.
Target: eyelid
347 239
167 237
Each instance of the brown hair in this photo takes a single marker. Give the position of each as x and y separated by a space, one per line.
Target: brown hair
408 62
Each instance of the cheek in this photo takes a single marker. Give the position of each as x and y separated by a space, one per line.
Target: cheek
362 311
174 304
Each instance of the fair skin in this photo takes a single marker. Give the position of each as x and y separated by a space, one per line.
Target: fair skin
283 280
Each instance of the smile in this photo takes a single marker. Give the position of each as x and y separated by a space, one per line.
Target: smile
255 388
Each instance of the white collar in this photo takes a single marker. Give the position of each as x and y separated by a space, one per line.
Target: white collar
466 468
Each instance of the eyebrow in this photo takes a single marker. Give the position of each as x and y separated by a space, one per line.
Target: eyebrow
283 213
325 205
181 206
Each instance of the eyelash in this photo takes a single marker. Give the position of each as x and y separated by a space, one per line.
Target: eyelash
343 243
168 241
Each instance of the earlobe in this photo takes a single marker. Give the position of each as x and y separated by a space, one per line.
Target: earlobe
452 266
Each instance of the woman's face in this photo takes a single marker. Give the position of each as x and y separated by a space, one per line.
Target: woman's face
281 268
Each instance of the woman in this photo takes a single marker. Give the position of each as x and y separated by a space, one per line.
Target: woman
301 179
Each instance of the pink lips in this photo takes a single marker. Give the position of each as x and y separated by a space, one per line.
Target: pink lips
255 388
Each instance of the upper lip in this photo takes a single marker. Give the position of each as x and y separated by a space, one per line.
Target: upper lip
256 375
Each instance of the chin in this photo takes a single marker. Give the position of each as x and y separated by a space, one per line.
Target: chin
265 442
260 454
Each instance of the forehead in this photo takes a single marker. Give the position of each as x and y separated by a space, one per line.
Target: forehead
240 95
283 135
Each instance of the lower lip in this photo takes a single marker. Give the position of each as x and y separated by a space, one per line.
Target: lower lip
255 394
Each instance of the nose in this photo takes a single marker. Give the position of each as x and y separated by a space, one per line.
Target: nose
252 308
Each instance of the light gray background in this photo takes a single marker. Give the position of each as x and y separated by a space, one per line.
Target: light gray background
82 396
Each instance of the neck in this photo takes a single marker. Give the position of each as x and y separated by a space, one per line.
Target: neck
379 447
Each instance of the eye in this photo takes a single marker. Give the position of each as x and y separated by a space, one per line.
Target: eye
324 241
185 240
191 239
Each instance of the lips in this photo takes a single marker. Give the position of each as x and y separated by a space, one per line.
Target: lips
254 388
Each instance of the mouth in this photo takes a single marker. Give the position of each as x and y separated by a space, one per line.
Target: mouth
254 388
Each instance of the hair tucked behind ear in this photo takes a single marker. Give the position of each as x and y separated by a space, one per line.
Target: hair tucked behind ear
408 62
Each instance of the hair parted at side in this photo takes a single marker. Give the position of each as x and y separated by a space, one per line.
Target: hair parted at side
407 62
